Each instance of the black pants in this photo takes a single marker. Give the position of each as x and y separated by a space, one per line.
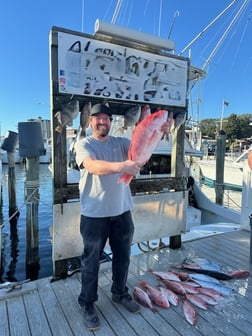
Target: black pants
95 232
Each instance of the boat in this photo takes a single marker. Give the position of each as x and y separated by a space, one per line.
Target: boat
158 198
233 170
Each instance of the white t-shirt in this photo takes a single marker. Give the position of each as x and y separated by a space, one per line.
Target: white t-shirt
102 195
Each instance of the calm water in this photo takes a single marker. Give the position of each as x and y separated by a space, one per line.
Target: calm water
14 245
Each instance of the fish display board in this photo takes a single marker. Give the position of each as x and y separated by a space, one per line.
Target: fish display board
91 67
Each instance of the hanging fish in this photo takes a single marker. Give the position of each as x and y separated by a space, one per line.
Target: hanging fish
145 139
145 111
84 117
131 116
67 114
180 118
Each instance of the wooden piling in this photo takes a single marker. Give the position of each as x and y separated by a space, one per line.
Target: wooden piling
32 201
11 183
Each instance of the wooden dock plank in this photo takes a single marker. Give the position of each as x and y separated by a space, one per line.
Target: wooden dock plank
136 321
4 327
48 308
36 315
54 313
17 316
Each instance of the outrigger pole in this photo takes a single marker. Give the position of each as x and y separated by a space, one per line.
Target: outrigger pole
208 26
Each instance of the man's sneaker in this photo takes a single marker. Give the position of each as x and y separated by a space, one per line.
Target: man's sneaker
91 319
127 302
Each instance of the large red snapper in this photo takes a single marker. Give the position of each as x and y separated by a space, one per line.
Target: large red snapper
190 314
145 139
143 298
156 295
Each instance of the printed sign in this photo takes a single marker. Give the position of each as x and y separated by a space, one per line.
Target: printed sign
99 69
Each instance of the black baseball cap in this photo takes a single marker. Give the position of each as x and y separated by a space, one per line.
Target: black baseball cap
100 108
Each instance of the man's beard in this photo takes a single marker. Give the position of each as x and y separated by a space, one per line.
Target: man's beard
102 132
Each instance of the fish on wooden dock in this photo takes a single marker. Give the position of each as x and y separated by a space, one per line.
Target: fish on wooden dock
203 277
210 292
203 266
197 301
189 312
174 286
213 274
166 275
189 288
208 299
171 296
222 289
143 298
155 295
238 274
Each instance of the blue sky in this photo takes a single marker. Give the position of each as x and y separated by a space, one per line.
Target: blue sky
25 27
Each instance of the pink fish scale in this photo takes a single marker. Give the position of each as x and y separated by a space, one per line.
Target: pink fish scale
145 139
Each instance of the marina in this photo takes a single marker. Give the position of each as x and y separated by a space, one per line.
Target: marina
43 307
138 79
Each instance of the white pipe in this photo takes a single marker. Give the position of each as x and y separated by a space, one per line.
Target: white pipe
112 30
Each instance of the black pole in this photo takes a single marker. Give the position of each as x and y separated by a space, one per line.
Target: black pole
220 160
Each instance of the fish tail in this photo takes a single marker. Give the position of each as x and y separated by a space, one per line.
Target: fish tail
125 178
83 132
143 284
59 129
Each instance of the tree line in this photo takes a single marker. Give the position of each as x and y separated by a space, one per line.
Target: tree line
236 127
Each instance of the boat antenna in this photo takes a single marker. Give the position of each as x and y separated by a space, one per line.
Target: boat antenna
82 16
241 39
173 21
224 35
207 27
116 12
160 12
